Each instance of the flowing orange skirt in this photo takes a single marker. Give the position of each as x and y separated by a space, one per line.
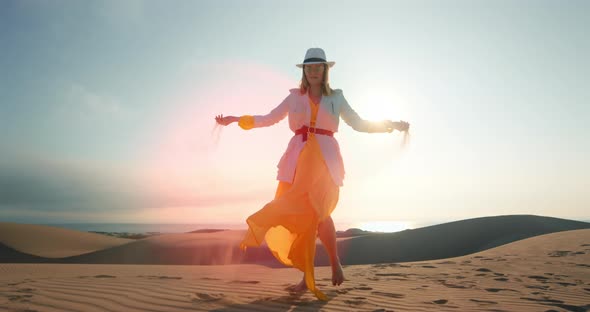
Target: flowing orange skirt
289 223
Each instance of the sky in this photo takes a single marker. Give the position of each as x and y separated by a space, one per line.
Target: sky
107 107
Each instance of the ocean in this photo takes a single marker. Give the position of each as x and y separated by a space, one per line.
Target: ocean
144 228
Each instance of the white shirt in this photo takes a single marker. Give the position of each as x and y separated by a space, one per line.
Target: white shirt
332 108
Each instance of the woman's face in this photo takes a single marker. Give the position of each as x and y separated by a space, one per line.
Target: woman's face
314 73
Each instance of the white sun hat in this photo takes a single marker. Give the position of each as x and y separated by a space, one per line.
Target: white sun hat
315 56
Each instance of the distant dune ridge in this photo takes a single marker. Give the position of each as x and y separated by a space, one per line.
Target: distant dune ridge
21 243
53 242
549 272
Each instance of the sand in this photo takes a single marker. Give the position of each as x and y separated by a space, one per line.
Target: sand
53 242
548 272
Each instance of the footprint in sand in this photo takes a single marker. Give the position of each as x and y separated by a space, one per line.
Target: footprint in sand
501 279
203 297
537 287
163 277
343 291
483 270
393 274
245 282
566 284
386 294
539 278
363 288
559 303
440 301
429 266
356 301
557 275
483 302
20 298
210 279
544 300
559 253
495 290
444 283
104 276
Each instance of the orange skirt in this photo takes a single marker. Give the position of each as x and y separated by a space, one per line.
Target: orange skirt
289 223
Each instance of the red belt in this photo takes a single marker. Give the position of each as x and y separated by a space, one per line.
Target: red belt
305 130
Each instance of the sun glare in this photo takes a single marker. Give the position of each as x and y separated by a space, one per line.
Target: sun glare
377 106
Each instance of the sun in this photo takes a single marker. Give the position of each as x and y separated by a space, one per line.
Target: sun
379 103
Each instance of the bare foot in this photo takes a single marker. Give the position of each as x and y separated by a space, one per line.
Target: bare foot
301 287
337 275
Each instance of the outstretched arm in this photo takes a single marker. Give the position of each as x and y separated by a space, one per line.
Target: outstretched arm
353 119
248 122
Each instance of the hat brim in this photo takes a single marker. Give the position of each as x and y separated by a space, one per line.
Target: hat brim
330 64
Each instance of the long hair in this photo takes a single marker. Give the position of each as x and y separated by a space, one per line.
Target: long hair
304 85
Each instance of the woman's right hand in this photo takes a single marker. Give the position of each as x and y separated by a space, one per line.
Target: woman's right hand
224 121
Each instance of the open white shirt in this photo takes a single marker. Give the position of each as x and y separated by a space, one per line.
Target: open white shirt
332 108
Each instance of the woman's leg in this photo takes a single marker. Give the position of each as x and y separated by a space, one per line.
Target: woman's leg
327 234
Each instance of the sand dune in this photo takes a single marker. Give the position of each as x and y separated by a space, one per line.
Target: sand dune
449 239
53 242
544 273
222 247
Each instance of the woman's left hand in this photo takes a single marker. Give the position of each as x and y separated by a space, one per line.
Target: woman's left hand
402 125
398 125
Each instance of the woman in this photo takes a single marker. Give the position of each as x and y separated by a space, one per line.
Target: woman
310 172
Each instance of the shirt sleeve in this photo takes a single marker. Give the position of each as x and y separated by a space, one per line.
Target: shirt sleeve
246 122
353 119
276 115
